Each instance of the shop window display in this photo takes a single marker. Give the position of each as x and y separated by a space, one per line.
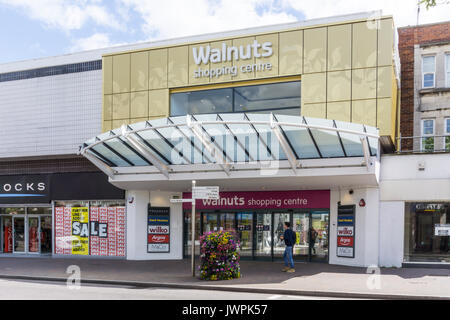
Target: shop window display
95 228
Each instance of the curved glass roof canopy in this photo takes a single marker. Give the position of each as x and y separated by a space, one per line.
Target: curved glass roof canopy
229 138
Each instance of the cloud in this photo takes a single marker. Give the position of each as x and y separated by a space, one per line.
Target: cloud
177 18
65 14
404 11
96 41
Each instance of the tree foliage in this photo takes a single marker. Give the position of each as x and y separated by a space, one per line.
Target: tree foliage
433 3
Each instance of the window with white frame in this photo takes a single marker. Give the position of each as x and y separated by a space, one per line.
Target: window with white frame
447 134
447 70
428 71
427 141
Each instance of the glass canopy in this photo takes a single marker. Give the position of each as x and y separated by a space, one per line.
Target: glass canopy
230 138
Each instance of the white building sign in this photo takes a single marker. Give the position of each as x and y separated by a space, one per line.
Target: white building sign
227 53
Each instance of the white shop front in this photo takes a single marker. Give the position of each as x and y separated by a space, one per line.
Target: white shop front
318 174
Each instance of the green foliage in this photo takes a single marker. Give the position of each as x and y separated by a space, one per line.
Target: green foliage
433 3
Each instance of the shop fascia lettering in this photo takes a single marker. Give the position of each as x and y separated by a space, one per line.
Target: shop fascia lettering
263 203
227 54
20 187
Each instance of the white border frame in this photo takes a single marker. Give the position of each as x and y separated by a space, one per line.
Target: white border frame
446 133
434 72
447 69
423 135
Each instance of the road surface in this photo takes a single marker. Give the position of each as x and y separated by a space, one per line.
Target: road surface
34 290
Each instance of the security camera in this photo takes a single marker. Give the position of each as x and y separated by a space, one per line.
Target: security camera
350 191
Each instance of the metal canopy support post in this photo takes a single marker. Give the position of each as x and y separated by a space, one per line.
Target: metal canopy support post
193 231
99 164
283 143
212 149
366 151
145 152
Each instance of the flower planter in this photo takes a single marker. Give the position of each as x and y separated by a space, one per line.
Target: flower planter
219 256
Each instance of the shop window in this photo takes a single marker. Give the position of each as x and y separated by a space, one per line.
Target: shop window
95 228
427 232
279 98
427 141
428 71
447 134
447 70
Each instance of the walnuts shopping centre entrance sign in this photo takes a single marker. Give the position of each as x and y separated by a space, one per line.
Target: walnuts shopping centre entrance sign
227 53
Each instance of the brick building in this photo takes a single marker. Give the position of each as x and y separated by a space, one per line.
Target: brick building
425 96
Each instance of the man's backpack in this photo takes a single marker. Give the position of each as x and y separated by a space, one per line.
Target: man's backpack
294 237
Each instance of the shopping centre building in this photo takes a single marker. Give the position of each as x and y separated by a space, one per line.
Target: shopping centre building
296 122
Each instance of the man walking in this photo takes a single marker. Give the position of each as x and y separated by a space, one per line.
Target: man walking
289 241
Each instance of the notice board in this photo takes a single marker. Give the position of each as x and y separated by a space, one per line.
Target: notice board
346 231
158 230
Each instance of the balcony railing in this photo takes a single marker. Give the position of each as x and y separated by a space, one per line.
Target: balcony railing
424 144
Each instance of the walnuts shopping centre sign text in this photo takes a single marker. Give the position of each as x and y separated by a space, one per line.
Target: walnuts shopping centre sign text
227 53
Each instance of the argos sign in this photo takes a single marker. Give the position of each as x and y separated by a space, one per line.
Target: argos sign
227 53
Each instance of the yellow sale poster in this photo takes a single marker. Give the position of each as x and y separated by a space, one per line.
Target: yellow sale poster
80 231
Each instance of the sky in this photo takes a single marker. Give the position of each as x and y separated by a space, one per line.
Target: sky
39 28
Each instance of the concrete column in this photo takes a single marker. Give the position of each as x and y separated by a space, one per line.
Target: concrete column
137 225
392 233
137 202
366 226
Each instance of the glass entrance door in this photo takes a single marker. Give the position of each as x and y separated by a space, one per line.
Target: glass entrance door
318 235
45 234
33 235
210 222
278 222
263 235
19 234
245 232
300 225
227 221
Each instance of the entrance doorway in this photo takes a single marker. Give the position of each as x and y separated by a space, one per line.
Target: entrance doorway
259 232
19 234
26 230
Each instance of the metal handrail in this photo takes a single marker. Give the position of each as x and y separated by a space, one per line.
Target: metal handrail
422 149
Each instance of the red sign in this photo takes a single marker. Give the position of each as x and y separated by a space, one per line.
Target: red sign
158 238
301 199
345 241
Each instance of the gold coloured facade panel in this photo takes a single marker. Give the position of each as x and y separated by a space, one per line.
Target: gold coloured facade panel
139 71
158 68
291 53
121 73
340 47
345 69
178 66
315 50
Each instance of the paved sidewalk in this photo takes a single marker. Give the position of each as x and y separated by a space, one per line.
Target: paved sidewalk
309 279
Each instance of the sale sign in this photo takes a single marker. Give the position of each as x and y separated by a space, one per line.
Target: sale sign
80 231
95 231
